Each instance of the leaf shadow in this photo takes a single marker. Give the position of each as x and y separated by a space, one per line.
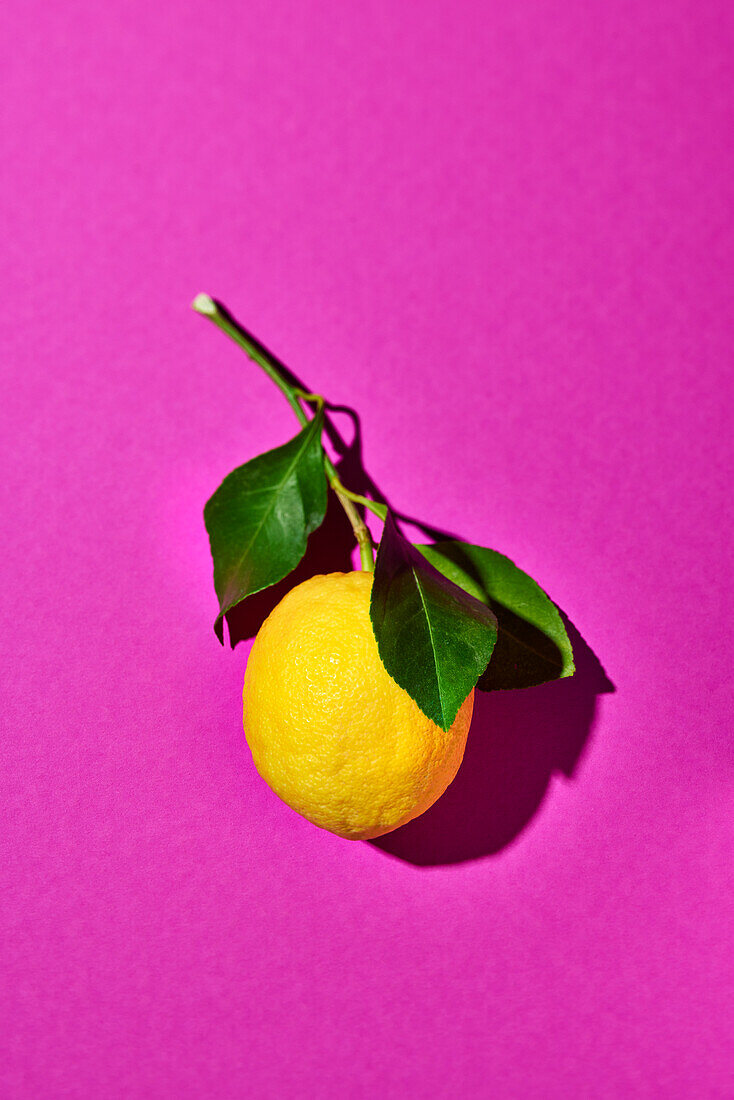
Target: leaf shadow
518 741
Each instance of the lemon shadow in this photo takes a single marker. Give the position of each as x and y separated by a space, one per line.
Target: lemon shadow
518 741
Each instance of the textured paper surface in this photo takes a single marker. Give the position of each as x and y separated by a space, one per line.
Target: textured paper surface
502 233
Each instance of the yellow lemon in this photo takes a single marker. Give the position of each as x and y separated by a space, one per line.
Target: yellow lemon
330 731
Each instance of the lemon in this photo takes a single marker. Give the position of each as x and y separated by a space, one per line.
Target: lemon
330 731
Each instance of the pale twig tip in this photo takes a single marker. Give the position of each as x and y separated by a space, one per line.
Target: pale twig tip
202 303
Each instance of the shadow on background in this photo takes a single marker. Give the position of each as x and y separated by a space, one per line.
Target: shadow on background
518 739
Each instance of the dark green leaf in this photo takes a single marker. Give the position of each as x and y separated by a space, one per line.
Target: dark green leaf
532 644
260 517
433 638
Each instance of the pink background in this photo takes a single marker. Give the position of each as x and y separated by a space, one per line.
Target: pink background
502 233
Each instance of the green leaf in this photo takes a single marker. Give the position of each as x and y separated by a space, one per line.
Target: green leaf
532 645
433 638
379 509
260 517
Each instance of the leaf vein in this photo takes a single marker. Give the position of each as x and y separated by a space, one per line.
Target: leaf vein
433 644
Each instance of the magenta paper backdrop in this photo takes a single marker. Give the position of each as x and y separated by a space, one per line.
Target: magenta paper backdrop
502 233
